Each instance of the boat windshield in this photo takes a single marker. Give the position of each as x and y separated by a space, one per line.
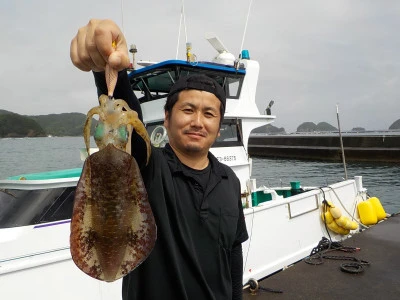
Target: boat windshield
31 207
154 82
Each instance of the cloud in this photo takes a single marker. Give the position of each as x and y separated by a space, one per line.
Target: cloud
313 55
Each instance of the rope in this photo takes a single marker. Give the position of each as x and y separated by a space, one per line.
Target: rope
241 135
318 254
325 202
250 236
253 286
344 208
355 267
352 268
270 290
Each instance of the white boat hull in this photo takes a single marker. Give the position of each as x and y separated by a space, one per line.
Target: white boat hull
35 261
285 231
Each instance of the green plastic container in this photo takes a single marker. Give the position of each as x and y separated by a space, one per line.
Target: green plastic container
295 188
260 197
295 185
284 193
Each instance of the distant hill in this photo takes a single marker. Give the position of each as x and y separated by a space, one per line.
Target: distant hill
71 124
15 125
312 127
307 127
65 124
270 129
395 125
5 112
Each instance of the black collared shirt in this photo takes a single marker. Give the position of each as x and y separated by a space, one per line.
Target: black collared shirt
192 255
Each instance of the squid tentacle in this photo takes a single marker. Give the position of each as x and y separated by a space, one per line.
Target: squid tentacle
88 124
130 118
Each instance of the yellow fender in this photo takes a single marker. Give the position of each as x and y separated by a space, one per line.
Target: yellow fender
371 211
378 208
336 221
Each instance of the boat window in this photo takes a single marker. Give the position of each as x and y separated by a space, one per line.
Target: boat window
154 85
233 87
30 207
229 134
157 83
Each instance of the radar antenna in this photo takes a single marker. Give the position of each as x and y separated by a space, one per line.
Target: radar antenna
224 56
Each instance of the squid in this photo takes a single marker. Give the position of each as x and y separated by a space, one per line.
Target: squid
112 226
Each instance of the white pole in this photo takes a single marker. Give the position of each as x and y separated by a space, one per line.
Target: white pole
245 27
341 142
179 35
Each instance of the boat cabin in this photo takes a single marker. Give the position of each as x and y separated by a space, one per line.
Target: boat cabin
152 83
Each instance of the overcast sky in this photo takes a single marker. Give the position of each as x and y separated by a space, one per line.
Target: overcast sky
313 54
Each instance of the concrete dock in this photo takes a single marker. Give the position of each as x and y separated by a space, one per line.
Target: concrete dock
357 147
379 245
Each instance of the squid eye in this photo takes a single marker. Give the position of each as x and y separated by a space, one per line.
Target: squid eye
99 131
123 134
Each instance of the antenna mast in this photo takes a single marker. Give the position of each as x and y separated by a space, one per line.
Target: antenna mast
245 27
182 17
122 17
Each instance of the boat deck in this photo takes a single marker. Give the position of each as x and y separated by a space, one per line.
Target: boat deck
379 245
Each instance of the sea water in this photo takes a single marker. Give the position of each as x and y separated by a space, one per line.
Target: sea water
30 155
381 180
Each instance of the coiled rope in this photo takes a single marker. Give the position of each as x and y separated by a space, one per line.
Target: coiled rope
325 246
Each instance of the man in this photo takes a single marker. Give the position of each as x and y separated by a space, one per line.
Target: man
195 199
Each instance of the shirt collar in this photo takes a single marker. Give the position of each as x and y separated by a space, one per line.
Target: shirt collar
176 165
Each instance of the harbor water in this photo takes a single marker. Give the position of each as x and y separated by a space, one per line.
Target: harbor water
30 155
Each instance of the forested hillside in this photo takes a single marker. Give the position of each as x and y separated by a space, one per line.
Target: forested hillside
14 125
65 124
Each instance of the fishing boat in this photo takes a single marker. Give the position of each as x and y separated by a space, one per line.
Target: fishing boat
283 223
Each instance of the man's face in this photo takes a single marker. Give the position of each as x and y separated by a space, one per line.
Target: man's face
194 122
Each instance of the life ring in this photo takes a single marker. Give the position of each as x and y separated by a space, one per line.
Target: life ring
336 221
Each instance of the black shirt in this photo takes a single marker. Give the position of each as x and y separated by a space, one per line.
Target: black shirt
192 255
199 180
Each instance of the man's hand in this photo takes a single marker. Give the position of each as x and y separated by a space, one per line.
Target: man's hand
92 47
